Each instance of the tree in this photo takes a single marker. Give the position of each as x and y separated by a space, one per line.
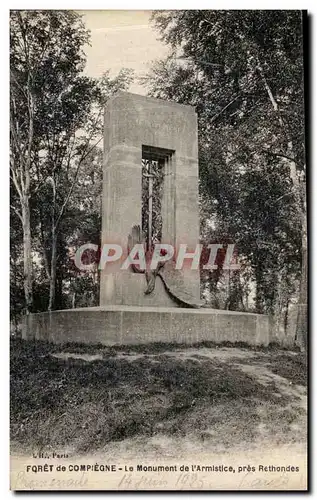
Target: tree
243 70
55 123
45 58
66 146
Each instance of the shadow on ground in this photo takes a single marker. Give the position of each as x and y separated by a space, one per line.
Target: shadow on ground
86 397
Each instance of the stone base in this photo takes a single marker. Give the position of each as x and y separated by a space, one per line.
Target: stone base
121 325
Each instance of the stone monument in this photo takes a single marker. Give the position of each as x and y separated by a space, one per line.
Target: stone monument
138 129
150 195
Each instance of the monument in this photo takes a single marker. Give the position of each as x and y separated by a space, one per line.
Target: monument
163 134
150 196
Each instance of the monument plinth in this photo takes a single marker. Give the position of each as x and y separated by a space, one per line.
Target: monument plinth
150 197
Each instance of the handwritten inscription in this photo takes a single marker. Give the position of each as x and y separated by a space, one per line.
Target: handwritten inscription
26 482
158 477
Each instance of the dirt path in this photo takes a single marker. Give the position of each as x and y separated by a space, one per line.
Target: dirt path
189 405
169 403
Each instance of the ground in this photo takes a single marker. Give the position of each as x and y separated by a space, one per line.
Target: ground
165 399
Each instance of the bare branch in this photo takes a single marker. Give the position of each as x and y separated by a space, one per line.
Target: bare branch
279 155
15 182
213 118
73 183
17 213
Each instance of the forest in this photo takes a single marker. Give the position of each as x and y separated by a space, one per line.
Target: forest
244 73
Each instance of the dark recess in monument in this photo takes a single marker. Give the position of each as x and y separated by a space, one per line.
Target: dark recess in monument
154 170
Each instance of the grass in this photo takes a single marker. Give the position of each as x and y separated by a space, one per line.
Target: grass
294 369
87 405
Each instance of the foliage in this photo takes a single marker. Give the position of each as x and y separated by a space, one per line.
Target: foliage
56 128
243 71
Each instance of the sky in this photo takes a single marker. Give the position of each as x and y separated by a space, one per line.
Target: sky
121 39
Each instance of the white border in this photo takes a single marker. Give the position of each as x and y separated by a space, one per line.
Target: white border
160 5
4 185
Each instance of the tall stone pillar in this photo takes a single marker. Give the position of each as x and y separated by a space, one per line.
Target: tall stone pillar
136 127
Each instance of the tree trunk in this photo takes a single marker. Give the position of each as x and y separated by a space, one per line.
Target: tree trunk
301 324
286 316
259 297
53 272
300 194
59 302
43 241
27 256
